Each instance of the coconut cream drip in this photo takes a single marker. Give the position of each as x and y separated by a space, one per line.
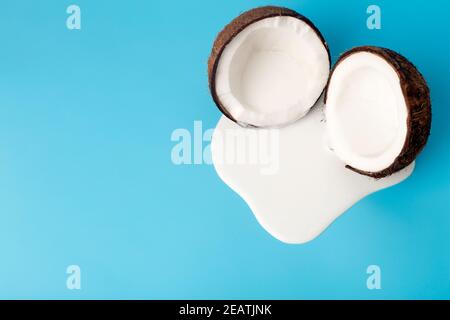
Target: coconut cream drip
289 177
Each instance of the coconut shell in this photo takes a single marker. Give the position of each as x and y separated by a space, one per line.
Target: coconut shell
238 25
418 102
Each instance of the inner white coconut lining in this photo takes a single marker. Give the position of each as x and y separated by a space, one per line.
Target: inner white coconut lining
366 112
272 72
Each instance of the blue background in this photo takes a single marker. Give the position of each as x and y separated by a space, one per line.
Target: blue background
86 176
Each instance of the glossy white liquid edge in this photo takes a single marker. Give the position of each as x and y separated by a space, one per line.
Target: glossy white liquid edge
311 187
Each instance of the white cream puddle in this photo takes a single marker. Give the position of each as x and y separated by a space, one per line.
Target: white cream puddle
295 186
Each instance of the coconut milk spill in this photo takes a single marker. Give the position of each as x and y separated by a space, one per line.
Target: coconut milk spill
295 186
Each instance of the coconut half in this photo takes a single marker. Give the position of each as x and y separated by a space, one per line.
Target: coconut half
378 111
268 67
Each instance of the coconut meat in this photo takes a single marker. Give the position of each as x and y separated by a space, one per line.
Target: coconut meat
366 112
272 72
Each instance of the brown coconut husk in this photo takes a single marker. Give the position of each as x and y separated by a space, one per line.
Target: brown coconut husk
417 98
234 28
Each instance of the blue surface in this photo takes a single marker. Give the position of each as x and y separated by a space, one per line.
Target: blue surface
86 176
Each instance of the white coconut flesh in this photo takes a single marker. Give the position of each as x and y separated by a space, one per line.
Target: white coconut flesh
366 112
272 72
